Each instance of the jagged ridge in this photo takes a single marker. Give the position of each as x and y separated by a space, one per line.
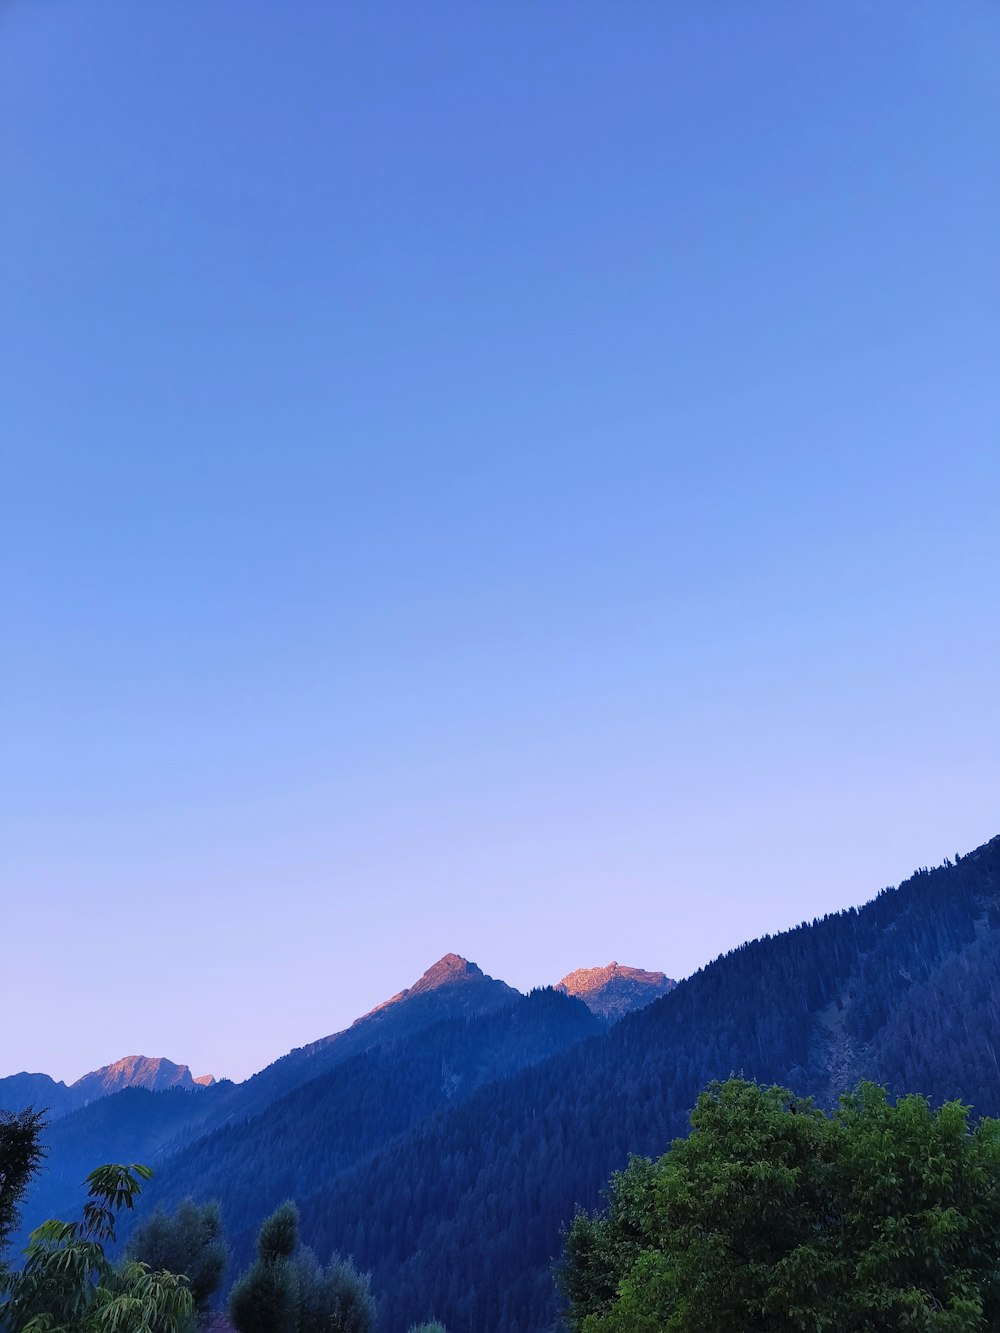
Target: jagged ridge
615 990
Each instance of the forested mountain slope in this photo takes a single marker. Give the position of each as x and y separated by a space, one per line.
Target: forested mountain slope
453 987
135 1125
130 1111
305 1140
463 1215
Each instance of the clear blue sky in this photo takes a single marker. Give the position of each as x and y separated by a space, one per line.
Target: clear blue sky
505 477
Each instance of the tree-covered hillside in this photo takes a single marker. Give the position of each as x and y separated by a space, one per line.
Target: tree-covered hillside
135 1125
304 1141
140 1124
452 988
465 1214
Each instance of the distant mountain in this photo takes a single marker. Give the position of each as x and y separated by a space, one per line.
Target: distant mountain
134 1125
341 1117
453 976
452 988
612 992
138 1071
134 1071
140 1109
20 1090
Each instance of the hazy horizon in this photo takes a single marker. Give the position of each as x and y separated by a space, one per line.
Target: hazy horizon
510 480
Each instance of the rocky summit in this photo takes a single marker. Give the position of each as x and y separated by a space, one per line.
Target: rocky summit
138 1071
614 991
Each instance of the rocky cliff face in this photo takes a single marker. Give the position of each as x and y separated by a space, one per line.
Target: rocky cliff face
614 991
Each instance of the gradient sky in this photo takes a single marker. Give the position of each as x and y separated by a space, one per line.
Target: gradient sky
514 478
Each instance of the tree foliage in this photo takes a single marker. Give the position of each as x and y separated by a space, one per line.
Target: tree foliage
188 1241
21 1154
69 1285
287 1290
773 1215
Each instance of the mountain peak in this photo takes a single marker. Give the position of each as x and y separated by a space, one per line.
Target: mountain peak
448 973
615 990
451 988
138 1071
447 970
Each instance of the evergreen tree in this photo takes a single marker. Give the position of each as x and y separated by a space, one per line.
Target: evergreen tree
265 1299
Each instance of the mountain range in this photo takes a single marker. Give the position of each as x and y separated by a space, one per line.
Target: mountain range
446 1138
133 1071
450 1032
451 987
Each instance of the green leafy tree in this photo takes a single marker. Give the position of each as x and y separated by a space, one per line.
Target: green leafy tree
21 1154
287 1290
772 1215
68 1284
188 1241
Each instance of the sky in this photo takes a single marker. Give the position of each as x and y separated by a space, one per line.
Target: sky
519 479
